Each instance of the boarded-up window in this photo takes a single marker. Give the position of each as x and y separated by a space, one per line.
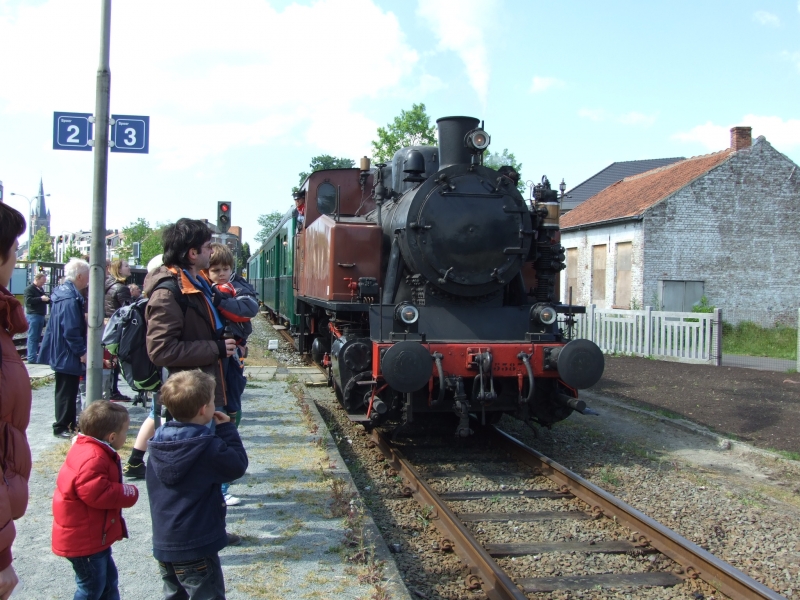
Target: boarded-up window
572 275
599 276
623 283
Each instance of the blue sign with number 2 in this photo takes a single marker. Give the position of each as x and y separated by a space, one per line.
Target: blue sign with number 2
130 133
72 131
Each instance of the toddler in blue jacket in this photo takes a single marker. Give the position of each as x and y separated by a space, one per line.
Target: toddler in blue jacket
188 465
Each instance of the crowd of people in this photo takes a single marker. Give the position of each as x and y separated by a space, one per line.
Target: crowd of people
197 322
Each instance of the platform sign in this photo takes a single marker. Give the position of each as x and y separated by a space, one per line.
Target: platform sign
72 131
130 133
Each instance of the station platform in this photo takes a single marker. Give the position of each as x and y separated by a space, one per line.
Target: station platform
293 543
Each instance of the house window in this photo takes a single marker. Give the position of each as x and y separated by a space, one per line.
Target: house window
572 275
623 283
599 276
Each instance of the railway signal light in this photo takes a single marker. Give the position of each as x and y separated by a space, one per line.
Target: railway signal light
223 216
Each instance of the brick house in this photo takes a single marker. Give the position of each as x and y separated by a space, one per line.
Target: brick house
724 225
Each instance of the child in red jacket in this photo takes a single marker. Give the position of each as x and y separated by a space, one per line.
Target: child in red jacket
89 498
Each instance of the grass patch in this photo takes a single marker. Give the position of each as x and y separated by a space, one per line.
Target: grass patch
787 454
749 339
41 382
50 460
609 477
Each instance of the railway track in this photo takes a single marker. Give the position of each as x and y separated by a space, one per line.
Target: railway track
650 538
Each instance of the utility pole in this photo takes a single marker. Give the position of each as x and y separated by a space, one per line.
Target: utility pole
97 254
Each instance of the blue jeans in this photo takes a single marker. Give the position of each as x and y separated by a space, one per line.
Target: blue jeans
198 579
35 326
96 576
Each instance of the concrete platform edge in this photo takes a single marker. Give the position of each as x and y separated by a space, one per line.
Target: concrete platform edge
394 582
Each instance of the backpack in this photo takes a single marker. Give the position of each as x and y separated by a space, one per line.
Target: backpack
125 336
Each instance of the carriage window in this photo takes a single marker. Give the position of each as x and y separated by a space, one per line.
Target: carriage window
326 198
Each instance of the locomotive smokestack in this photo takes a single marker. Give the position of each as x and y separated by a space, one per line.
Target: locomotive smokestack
452 131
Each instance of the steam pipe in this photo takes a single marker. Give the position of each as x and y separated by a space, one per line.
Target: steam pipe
525 358
438 356
392 273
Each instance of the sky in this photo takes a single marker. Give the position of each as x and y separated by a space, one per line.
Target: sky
242 94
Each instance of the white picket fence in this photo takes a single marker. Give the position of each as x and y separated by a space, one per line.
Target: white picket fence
683 337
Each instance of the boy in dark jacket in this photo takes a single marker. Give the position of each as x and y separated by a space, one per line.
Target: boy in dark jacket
188 464
89 498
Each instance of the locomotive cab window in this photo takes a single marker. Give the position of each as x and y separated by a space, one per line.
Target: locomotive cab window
326 198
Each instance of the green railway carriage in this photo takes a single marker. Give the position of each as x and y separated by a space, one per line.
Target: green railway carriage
271 271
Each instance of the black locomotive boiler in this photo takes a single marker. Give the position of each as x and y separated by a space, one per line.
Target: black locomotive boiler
429 286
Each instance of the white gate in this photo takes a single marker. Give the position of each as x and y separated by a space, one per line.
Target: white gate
679 336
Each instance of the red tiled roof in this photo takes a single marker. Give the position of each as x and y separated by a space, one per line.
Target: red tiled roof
633 195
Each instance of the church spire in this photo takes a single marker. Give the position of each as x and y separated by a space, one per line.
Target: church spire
41 209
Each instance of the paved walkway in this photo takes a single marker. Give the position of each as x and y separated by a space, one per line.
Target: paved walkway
759 362
292 545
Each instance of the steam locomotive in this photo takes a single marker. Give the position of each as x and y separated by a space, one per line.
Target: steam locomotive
428 286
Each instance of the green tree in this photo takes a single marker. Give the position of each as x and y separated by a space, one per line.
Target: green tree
505 159
151 245
268 223
148 237
244 256
325 161
41 247
411 128
71 251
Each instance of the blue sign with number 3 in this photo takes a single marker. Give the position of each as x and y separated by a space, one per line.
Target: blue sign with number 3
72 131
130 133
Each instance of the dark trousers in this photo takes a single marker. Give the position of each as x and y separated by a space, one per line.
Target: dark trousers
96 576
66 392
199 579
35 326
115 379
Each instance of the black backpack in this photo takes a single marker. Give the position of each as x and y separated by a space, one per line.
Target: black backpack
126 337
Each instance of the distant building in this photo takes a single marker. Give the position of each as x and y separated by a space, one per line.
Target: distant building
610 175
723 225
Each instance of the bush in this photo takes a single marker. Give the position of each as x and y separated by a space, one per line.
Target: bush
703 307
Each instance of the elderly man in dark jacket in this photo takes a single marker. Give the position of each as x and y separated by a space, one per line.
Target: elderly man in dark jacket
64 344
36 302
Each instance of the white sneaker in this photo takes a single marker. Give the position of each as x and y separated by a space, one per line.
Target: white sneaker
231 500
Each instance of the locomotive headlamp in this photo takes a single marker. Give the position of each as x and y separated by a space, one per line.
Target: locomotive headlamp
544 314
407 313
477 139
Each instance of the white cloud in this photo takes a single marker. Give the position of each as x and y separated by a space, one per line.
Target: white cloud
460 26
636 118
593 114
212 76
766 18
784 135
793 57
599 115
713 137
540 84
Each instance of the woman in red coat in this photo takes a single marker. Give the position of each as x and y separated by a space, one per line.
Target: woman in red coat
15 402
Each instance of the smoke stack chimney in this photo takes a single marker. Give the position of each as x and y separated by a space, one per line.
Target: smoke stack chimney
452 130
741 137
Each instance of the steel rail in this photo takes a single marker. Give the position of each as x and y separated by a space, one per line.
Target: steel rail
496 584
696 562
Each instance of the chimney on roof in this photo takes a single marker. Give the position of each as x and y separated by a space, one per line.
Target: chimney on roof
741 137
